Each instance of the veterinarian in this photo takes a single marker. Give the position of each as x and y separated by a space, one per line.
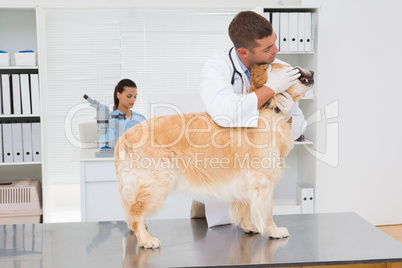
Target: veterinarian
122 117
225 82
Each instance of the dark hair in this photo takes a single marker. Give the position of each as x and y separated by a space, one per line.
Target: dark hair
247 27
120 88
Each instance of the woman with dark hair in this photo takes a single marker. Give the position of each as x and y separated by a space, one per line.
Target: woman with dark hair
122 117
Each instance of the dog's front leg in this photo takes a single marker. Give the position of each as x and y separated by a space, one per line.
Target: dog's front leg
272 229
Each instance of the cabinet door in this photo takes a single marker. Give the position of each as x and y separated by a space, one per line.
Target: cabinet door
103 201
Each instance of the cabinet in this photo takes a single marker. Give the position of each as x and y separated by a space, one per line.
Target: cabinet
18 32
301 162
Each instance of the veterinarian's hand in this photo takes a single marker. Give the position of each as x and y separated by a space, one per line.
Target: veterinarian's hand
282 80
286 104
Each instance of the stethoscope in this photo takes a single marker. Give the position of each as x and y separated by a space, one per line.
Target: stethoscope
234 68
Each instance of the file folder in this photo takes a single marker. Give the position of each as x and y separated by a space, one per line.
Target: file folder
284 31
25 94
267 15
35 94
6 95
36 142
308 44
276 27
293 31
305 197
1 142
17 142
7 143
300 45
15 78
27 142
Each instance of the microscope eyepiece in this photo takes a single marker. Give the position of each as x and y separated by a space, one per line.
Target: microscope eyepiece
85 96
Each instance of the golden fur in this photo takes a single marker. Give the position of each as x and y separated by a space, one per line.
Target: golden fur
190 151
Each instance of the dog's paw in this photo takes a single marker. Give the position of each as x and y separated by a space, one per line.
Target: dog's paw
280 232
150 242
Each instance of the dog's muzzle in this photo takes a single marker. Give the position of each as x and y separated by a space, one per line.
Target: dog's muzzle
306 77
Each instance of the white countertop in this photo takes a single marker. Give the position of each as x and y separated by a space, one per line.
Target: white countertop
89 155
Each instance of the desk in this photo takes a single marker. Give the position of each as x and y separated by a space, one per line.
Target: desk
315 239
100 198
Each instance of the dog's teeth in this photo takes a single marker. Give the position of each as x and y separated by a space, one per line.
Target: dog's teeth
307 80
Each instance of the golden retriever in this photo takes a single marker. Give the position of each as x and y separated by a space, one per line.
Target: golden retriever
191 152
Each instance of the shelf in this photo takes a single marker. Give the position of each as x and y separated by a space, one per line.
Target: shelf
20 163
308 98
285 206
303 142
296 53
19 70
19 115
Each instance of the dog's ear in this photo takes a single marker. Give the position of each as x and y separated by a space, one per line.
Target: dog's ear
258 77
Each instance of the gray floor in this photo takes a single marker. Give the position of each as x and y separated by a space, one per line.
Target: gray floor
341 238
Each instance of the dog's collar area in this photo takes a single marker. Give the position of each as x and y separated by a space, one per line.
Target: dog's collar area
306 79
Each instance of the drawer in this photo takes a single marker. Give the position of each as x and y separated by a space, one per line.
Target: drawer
100 171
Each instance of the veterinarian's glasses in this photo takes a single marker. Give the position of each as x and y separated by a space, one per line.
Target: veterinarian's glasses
234 68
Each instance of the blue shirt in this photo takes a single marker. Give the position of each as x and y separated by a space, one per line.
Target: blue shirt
118 126
244 68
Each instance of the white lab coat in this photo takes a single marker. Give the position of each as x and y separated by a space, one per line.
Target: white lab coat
230 106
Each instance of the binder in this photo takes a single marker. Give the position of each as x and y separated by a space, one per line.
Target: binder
308 45
6 95
27 142
284 31
305 197
267 15
1 99
35 94
7 143
15 78
36 143
293 31
313 29
1 142
276 27
25 94
300 43
17 142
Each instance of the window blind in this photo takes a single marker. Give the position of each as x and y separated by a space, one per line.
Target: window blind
90 50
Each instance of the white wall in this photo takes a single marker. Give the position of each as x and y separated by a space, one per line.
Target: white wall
359 62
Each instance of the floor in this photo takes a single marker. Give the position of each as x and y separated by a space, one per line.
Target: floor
394 231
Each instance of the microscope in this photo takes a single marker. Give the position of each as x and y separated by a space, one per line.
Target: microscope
102 119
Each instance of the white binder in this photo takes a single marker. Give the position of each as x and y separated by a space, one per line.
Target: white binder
284 31
36 143
1 143
276 27
267 15
7 143
308 44
5 91
301 41
27 142
305 197
17 142
15 78
293 31
35 94
25 94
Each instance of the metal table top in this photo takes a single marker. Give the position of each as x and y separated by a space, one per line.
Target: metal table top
315 239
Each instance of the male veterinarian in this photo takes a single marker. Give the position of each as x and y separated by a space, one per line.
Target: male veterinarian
225 81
